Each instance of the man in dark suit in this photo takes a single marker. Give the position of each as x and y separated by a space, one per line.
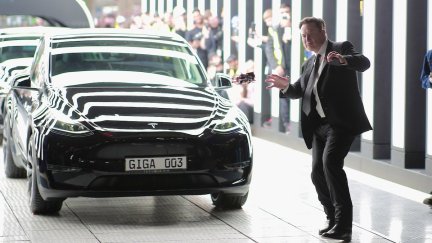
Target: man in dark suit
332 115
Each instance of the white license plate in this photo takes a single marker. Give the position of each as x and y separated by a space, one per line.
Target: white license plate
156 163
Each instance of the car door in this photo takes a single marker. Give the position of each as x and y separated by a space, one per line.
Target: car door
22 99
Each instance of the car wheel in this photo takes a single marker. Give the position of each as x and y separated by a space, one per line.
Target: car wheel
11 170
37 204
227 201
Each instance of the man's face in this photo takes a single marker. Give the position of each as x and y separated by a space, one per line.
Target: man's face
214 22
268 21
233 64
285 16
285 20
312 37
198 18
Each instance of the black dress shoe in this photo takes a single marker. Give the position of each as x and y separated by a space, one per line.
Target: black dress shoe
327 227
428 201
339 233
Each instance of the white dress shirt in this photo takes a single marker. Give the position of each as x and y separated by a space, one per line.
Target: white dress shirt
323 62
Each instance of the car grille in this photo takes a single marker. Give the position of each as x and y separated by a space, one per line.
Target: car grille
152 182
120 151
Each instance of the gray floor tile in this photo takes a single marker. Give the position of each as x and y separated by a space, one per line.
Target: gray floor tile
14 238
60 235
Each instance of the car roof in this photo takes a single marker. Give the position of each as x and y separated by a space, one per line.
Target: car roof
30 30
72 34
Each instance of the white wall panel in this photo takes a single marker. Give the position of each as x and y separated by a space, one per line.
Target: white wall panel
144 7
152 9
368 83
274 93
161 8
317 8
226 28
189 8
213 7
296 55
399 73
180 3
169 6
342 20
242 33
258 57
201 6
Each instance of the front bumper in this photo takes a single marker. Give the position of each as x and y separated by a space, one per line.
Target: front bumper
94 166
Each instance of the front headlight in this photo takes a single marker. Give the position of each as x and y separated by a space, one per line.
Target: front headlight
66 124
230 123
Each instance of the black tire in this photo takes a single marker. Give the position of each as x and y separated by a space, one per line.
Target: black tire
227 201
11 170
37 204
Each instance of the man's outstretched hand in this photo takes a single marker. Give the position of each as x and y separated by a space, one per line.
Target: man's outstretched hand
336 58
276 81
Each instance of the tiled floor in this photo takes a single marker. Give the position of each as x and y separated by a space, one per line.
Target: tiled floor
282 207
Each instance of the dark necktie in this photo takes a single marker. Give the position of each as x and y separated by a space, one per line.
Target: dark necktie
308 95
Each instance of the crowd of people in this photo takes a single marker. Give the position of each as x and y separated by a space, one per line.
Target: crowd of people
277 49
205 35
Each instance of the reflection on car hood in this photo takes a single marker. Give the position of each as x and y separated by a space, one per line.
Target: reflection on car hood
146 108
115 78
9 67
25 61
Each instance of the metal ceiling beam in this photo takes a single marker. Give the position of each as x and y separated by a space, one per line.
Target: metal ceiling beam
68 13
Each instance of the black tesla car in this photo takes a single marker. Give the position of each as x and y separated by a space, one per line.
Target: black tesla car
105 112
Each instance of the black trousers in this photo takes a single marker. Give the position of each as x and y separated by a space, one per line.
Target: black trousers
329 149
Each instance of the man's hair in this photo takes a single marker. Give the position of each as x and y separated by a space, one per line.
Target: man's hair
318 22
285 5
196 10
267 13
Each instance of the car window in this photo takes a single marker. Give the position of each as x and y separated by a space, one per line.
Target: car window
164 59
17 47
12 52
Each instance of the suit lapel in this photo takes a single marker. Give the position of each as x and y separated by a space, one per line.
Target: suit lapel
324 65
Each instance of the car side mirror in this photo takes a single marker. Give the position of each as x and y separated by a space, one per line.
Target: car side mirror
222 81
21 81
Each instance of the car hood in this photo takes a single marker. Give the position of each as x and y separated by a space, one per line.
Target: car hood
150 109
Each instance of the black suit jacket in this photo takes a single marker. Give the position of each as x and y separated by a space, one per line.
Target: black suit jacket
338 92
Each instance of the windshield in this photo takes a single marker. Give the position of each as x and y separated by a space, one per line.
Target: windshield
171 60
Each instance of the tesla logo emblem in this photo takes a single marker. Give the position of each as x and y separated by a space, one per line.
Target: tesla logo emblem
153 124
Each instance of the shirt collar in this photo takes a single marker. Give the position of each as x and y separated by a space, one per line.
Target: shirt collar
322 50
